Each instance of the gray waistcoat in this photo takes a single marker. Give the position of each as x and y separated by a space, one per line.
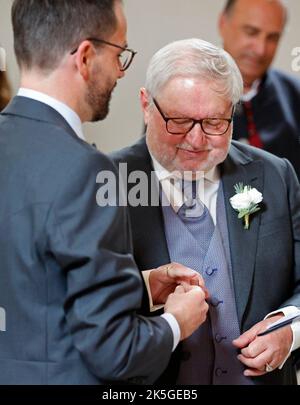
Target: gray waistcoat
208 356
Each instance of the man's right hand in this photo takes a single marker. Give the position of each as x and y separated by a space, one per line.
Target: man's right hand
189 309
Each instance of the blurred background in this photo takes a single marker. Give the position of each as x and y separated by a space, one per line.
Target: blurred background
151 25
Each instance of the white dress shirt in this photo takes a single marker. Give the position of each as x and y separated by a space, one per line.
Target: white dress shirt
208 185
252 92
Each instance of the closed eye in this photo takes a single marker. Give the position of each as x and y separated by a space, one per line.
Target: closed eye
181 121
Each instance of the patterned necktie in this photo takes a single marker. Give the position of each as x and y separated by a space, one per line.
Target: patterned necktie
193 207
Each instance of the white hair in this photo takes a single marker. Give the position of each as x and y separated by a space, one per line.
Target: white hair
195 58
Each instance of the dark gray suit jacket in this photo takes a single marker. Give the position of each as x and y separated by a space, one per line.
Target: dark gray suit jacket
265 258
69 285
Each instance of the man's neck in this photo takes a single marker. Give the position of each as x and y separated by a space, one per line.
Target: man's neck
248 85
251 91
54 85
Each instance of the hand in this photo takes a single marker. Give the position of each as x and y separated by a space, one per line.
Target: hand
271 349
165 279
189 308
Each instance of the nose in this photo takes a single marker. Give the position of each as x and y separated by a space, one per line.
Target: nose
260 46
196 137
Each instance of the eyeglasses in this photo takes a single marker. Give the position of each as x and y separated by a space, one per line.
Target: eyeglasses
182 126
125 58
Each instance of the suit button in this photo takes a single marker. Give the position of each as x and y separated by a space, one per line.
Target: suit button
219 338
136 380
185 356
219 372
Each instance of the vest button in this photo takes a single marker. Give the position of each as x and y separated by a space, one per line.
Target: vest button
219 372
215 302
219 338
185 356
210 271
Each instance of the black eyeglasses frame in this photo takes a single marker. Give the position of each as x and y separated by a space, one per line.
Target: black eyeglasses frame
194 122
127 62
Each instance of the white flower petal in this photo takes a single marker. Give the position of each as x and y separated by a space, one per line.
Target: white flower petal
244 200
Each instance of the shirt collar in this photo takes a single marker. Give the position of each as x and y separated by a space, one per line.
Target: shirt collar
252 92
171 184
69 115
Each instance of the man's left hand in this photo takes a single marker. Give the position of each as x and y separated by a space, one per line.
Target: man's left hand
262 354
164 280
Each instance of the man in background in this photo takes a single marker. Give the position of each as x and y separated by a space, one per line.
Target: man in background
70 291
268 116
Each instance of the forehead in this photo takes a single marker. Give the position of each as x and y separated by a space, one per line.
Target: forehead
267 14
193 95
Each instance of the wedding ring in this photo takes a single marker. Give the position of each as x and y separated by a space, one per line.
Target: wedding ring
168 267
268 368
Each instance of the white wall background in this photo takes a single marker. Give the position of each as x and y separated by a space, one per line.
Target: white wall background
151 25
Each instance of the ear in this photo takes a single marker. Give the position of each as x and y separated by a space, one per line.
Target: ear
145 103
222 23
84 59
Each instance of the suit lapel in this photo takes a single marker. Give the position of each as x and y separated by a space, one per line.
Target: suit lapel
238 168
148 221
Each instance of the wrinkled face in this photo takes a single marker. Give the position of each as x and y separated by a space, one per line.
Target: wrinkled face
106 71
187 98
251 33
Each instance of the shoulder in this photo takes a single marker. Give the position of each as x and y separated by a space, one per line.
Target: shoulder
136 155
284 79
244 154
278 173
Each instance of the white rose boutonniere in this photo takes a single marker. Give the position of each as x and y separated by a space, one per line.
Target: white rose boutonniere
245 201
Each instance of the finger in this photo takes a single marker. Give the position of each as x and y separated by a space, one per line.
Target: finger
195 289
196 280
187 287
245 339
253 373
206 292
192 278
179 290
177 270
255 348
257 363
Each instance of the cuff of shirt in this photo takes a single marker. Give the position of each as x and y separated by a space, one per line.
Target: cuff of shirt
295 329
172 321
146 274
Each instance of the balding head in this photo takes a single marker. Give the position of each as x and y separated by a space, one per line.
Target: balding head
229 5
251 30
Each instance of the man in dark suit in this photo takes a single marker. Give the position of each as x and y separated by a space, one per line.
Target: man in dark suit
268 116
251 266
70 291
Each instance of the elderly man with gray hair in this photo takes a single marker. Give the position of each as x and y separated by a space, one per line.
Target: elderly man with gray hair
222 206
